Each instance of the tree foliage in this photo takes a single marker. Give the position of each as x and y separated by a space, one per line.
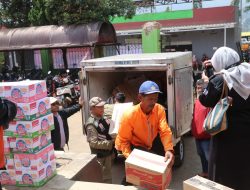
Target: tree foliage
37 15
84 11
235 2
247 8
14 13
17 13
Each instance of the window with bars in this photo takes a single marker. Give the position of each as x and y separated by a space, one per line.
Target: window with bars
57 56
75 55
37 59
123 49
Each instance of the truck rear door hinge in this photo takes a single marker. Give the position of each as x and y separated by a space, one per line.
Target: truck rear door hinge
84 81
170 79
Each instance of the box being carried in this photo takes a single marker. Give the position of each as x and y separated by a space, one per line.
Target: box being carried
33 110
24 91
147 170
200 183
35 169
117 114
30 128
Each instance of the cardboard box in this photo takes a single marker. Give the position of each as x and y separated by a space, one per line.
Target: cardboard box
147 170
117 114
35 178
8 177
9 161
200 183
34 161
35 169
24 91
33 110
29 145
30 129
6 144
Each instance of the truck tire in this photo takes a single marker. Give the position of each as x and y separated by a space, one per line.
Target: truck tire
179 153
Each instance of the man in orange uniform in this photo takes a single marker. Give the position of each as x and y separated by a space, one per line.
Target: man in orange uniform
140 125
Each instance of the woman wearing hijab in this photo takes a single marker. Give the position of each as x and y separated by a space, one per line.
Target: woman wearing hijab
229 156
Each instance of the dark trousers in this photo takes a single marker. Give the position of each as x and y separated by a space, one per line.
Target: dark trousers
202 147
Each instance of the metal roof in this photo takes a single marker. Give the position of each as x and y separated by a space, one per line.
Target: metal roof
183 28
141 57
156 61
52 36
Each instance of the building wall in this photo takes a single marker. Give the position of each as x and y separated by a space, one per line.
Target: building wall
202 41
205 41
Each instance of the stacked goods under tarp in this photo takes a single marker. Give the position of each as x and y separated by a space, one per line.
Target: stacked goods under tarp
29 154
132 82
130 87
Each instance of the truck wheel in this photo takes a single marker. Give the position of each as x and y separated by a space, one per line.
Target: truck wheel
179 153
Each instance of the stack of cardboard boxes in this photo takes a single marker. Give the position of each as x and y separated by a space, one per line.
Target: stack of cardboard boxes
29 154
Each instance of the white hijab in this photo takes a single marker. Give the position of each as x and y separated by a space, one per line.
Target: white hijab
237 77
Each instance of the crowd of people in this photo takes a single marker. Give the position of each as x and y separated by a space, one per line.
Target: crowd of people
228 158
224 156
141 124
132 133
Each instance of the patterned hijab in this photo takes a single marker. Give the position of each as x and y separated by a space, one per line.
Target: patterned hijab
237 77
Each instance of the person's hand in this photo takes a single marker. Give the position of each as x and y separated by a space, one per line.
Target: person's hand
204 77
80 101
113 140
169 155
230 100
207 63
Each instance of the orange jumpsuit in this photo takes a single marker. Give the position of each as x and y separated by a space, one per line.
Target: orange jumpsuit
139 129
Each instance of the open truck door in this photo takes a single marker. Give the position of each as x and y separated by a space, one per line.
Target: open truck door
171 71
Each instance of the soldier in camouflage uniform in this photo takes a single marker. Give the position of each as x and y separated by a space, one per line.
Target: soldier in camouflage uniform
100 142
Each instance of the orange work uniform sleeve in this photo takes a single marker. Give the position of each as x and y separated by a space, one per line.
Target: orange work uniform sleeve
130 125
124 136
165 131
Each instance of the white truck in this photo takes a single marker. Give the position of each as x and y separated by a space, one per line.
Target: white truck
171 71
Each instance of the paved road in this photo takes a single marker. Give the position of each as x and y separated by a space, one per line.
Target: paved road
190 167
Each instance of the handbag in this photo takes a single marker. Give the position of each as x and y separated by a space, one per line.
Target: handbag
216 119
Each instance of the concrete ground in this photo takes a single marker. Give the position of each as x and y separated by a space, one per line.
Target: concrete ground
77 141
190 167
